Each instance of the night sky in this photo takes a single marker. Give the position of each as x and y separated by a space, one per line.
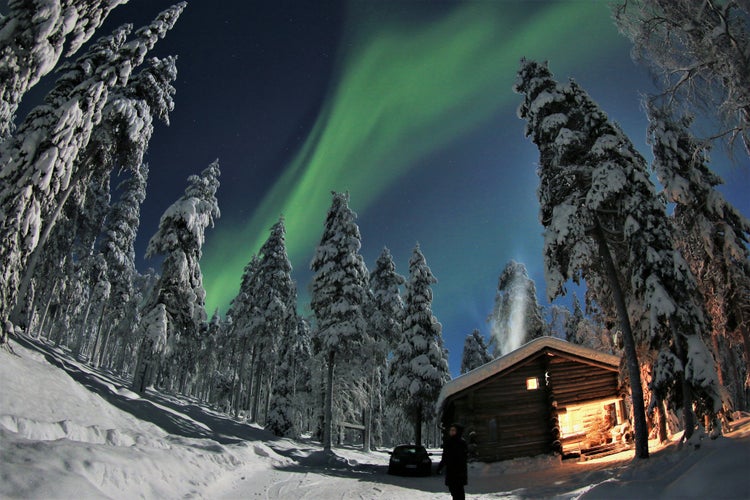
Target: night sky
407 105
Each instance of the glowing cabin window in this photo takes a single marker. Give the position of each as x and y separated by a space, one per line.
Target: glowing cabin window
532 384
571 422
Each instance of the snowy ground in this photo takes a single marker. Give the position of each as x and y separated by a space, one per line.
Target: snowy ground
75 433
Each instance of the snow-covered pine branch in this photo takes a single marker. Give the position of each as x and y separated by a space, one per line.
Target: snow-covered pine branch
700 51
32 39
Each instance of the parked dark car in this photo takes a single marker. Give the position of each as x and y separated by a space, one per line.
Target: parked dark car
410 459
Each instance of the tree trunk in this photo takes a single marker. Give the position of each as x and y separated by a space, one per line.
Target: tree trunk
98 336
61 334
631 357
368 420
29 317
257 382
328 412
182 387
251 385
745 333
142 371
418 426
662 416
103 350
5 328
23 288
119 353
379 418
718 331
270 379
367 434
269 395
82 343
321 410
687 391
43 319
240 374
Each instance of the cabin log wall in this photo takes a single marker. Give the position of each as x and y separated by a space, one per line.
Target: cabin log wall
525 420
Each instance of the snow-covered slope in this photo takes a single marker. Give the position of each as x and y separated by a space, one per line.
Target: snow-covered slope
76 433
59 440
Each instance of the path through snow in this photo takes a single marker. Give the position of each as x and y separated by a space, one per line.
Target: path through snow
67 431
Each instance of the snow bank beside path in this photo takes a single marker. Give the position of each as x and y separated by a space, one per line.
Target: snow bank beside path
61 439
58 440
716 469
35 390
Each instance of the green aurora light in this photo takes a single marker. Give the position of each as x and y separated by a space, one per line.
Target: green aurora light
402 91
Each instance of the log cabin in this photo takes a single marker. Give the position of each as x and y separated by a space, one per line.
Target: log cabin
548 396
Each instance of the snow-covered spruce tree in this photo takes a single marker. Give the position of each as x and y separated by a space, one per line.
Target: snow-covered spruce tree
239 318
273 318
37 163
385 331
338 296
557 325
118 250
701 52
302 373
291 388
94 271
281 419
154 327
87 214
516 317
241 313
89 211
419 367
595 335
32 36
388 312
589 331
176 307
476 352
212 378
119 141
51 277
712 236
125 337
574 320
86 272
602 218
208 357
276 299
36 176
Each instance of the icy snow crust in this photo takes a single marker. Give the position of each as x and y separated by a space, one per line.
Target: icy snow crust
76 433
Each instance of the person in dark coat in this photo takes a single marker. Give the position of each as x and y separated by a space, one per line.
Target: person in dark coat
455 453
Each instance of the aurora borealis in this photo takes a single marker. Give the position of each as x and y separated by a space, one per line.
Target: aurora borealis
405 104
403 91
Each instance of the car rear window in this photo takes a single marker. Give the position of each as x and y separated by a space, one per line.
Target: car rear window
408 450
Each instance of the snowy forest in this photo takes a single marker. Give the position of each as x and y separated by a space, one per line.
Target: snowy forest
665 266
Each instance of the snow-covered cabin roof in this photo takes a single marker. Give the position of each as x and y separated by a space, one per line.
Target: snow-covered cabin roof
500 364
